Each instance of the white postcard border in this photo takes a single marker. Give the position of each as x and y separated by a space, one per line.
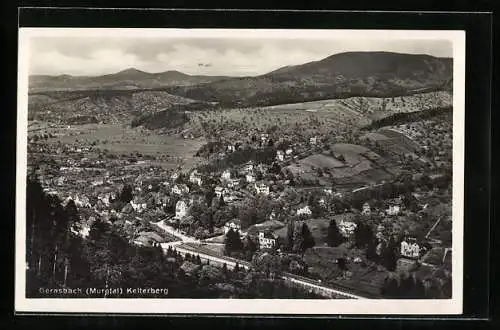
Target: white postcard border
246 306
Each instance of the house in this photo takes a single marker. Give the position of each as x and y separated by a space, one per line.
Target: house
195 178
231 148
347 228
180 189
248 167
83 231
250 178
148 239
262 188
233 183
289 151
328 191
98 182
267 240
234 224
264 138
138 204
322 202
393 210
226 175
220 191
304 210
189 268
313 140
175 176
366 209
280 155
410 248
181 208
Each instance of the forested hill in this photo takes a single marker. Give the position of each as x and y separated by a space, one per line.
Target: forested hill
57 258
128 79
378 74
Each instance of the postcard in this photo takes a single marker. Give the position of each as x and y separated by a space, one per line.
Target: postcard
233 171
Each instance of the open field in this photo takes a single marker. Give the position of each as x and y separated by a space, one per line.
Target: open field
359 166
168 150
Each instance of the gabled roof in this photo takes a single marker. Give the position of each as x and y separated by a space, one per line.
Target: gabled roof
235 221
189 267
268 234
152 235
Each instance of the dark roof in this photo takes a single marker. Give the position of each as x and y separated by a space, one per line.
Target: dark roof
434 256
269 234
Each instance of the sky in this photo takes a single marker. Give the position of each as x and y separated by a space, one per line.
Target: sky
83 55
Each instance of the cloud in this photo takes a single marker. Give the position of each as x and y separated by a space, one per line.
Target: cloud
231 57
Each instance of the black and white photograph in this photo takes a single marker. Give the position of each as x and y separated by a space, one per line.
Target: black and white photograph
240 171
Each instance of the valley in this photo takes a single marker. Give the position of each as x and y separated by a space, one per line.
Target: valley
322 172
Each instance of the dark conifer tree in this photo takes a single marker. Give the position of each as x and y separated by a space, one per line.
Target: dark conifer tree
334 237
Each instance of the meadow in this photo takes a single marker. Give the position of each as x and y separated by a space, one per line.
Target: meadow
168 150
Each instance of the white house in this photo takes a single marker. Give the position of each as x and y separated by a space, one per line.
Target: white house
280 155
226 175
304 210
262 188
180 189
195 178
313 140
393 210
347 228
83 231
289 151
98 182
328 191
366 209
175 176
250 178
233 183
234 224
220 191
264 138
248 168
231 148
410 248
266 240
181 208
138 204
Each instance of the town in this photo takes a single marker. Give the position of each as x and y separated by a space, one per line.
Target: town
363 212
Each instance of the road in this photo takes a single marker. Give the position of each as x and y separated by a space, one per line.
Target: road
174 232
206 254
193 246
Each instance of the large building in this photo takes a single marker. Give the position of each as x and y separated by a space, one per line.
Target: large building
410 248
267 240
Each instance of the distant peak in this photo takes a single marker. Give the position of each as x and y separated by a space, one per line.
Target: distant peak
131 70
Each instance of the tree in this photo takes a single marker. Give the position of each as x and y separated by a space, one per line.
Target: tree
363 234
334 237
371 251
307 238
389 258
342 263
232 242
390 287
126 194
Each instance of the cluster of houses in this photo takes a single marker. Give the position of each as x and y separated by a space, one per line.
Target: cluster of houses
265 238
394 207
